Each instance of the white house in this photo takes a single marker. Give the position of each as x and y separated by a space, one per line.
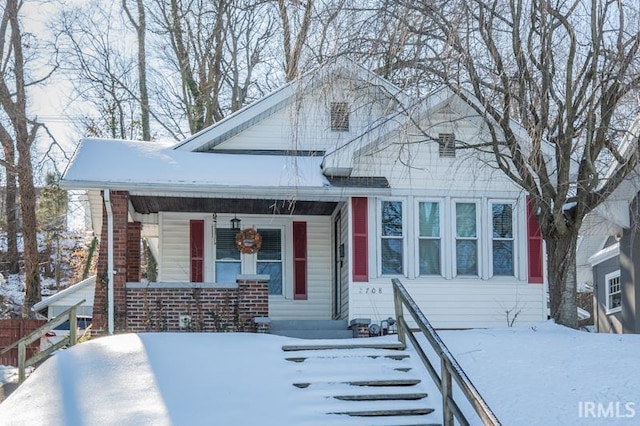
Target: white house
348 183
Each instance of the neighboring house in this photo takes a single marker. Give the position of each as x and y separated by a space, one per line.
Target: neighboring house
345 193
615 267
64 299
611 246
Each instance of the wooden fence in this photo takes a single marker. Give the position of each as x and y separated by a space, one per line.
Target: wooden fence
14 330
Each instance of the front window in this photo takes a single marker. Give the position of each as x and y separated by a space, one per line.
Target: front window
269 259
502 239
429 238
227 256
466 239
392 256
614 292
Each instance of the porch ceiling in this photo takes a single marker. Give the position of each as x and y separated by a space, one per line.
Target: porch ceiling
150 204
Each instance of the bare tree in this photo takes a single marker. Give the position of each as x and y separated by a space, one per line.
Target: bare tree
214 47
140 25
293 48
562 71
22 131
102 75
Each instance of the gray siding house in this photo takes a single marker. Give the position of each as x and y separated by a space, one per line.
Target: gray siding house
616 272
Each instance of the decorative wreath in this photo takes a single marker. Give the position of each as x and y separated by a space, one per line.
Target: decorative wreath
248 241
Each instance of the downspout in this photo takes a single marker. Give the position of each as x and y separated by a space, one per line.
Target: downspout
110 271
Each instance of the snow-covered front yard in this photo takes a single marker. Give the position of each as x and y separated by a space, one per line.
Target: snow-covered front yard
543 375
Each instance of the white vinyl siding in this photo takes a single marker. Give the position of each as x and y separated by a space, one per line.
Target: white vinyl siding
454 303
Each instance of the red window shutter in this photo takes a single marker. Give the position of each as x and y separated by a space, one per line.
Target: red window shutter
300 260
196 250
360 253
534 247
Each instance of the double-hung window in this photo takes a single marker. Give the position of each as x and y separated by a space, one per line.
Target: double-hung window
269 258
392 238
228 263
429 238
466 238
614 292
502 249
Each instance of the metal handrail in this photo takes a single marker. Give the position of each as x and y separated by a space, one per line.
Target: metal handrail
71 339
449 366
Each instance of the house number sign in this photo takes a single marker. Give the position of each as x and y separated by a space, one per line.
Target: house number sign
370 290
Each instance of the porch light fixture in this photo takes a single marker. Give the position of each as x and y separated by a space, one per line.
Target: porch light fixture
235 223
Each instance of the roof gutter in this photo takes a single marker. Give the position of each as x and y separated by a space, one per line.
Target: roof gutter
326 193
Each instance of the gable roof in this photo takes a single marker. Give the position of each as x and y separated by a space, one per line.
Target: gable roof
279 98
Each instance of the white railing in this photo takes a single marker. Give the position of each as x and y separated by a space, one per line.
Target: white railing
69 340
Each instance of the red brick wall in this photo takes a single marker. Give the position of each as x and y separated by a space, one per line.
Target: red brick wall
158 307
133 251
119 206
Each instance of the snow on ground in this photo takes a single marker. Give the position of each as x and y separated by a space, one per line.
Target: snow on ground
542 375
552 375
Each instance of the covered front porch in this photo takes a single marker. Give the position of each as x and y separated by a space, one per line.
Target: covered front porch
204 282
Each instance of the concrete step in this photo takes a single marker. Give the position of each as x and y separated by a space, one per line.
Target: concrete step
308 325
314 334
311 329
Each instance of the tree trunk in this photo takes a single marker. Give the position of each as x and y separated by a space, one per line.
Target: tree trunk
10 202
561 262
29 227
141 30
11 205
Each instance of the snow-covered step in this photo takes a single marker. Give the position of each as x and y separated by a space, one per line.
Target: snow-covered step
369 379
396 357
388 413
329 346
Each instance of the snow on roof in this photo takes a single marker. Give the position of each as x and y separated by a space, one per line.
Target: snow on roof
102 163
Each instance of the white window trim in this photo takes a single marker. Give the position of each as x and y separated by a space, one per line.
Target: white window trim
443 235
608 277
379 236
478 239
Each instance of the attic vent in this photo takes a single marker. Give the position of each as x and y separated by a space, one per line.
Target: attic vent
447 142
340 116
